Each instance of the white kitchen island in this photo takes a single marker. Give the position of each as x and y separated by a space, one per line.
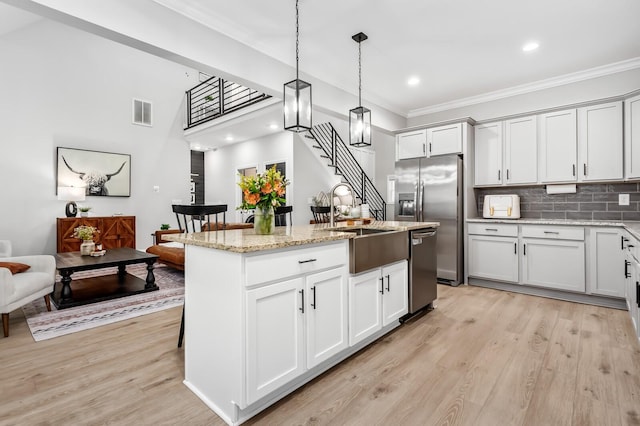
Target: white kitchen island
265 314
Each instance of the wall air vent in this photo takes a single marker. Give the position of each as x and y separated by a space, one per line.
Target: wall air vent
142 113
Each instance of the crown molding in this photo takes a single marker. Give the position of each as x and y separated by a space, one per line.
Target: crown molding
588 74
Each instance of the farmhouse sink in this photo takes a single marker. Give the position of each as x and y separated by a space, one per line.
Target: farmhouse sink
372 248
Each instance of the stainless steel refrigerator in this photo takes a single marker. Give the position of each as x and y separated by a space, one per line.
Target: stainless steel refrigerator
430 190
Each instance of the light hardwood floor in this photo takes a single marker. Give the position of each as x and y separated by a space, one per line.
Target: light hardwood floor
483 357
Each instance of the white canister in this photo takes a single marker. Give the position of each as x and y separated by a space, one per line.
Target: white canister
364 210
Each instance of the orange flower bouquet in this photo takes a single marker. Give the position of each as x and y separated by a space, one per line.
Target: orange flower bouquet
263 192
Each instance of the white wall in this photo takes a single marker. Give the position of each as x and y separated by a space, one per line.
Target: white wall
63 87
583 91
221 168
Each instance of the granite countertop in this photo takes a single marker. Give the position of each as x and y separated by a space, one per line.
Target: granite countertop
246 240
632 227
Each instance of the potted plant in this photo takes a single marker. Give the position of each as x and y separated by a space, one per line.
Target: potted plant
86 234
84 211
164 226
263 192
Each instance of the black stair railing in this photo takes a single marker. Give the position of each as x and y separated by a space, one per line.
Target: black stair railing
346 165
216 97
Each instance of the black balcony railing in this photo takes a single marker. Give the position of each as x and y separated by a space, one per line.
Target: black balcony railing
216 97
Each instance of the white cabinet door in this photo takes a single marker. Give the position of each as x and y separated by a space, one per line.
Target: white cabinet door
521 151
365 305
444 140
606 262
558 146
557 264
493 258
488 154
395 292
411 144
326 315
275 334
632 137
600 142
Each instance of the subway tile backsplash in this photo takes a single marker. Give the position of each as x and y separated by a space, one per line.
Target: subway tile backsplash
590 202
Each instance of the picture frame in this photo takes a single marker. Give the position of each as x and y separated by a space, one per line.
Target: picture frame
105 174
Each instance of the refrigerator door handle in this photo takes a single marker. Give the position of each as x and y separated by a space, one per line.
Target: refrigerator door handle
421 205
416 202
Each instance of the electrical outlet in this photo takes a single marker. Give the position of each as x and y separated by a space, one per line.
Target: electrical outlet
623 199
156 188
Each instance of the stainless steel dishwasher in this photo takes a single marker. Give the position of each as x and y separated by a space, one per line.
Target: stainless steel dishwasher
423 267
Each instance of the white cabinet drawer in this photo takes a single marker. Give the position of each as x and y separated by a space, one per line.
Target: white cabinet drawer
264 268
500 229
553 232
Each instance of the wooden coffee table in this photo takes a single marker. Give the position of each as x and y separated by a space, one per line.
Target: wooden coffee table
100 288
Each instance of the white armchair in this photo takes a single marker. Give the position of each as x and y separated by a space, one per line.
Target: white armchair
20 289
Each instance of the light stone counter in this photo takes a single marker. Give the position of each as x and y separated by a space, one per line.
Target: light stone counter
632 227
246 240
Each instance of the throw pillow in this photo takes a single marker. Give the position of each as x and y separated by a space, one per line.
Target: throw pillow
14 267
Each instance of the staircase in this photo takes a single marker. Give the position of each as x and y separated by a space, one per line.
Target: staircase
344 163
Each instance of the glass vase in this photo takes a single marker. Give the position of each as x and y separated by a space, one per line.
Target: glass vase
87 247
264 220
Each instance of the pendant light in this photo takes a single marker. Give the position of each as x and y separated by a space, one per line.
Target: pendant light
297 96
360 117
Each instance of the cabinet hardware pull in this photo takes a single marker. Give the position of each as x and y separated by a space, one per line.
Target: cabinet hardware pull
574 169
498 174
424 149
301 309
313 289
626 269
381 285
507 174
515 248
491 229
631 246
429 146
638 294
388 289
524 249
585 168
552 232
307 261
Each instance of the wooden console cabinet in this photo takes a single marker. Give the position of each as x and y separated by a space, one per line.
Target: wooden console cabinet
115 232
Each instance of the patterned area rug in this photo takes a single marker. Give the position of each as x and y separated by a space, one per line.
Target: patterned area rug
46 325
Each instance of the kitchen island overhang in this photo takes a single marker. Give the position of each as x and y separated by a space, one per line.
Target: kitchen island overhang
266 314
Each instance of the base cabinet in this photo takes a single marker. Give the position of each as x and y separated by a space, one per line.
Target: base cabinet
376 298
605 260
557 264
494 258
275 336
291 318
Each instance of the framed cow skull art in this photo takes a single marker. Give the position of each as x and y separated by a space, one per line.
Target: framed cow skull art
100 173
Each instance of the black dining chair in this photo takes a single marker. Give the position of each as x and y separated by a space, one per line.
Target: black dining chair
320 214
281 215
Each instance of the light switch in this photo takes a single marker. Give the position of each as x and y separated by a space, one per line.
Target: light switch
623 199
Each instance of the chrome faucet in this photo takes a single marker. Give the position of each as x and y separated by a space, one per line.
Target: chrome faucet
332 221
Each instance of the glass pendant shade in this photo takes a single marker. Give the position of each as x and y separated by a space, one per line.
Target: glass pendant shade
360 126
297 106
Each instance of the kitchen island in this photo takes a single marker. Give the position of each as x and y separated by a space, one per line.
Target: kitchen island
265 314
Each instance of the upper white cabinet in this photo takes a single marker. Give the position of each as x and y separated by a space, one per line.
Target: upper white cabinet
488 154
581 145
520 151
411 144
506 152
632 137
600 138
444 140
558 146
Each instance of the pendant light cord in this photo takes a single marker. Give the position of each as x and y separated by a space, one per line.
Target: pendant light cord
359 74
297 42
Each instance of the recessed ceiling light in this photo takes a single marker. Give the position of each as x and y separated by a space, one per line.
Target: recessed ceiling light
273 126
229 139
533 45
413 81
